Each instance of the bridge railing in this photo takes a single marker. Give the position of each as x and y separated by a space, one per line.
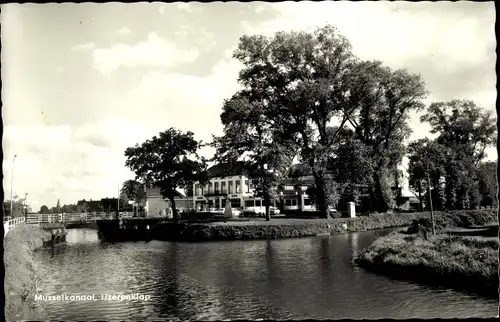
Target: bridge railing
60 218
66 218
10 224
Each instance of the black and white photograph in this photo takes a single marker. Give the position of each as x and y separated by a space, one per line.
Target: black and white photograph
223 161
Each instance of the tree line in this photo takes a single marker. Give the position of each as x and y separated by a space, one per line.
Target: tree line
306 96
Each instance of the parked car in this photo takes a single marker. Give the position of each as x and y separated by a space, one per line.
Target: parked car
274 210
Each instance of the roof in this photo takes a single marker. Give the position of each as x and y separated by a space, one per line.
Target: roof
155 192
301 170
227 169
296 182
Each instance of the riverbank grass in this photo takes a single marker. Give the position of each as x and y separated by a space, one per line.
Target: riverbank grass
295 228
21 278
456 261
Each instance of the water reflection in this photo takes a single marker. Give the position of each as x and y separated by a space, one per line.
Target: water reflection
279 279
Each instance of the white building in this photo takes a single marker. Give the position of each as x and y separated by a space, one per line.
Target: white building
157 206
226 183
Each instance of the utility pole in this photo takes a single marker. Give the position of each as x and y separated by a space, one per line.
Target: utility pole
430 203
11 182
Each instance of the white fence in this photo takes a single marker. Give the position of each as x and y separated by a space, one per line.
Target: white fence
61 218
68 217
10 224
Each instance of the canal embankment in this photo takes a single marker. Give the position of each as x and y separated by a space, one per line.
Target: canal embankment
22 279
462 255
296 228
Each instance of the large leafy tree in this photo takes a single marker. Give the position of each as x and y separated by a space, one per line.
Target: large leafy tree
381 122
170 161
464 131
352 166
18 207
307 81
488 183
249 135
427 165
44 210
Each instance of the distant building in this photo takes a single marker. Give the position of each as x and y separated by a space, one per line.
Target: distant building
293 194
157 205
89 206
226 182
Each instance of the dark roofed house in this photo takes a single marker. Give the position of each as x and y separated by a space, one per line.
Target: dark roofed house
222 170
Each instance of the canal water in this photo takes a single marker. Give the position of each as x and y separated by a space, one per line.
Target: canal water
279 279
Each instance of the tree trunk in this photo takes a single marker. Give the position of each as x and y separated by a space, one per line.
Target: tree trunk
320 195
267 205
380 202
174 210
420 194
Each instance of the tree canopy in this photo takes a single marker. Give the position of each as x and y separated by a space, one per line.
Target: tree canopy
464 131
248 135
169 161
309 86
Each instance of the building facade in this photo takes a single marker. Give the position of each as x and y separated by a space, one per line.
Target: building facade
231 183
157 206
225 183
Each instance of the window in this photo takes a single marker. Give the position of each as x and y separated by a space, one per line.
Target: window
236 203
308 202
223 187
216 188
237 186
290 202
288 187
197 189
258 203
247 183
249 203
230 187
222 202
209 190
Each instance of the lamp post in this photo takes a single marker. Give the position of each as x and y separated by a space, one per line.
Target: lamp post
25 206
11 182
430 203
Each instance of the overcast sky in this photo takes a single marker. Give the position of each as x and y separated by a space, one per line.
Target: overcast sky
81 82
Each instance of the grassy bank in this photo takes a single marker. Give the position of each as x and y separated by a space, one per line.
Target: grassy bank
459 262
21 279
295 228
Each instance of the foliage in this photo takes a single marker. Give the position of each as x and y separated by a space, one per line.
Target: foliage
22 277
381 122
69 209
427 160
170 161
18 207
464 132
133 190
44 210
442 259
302 78
307 80
248 135
488 183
